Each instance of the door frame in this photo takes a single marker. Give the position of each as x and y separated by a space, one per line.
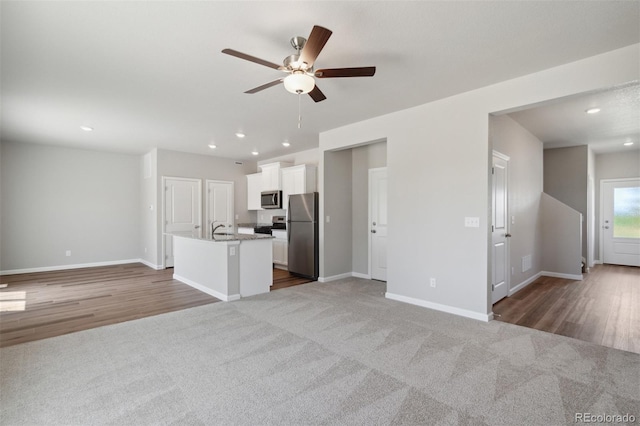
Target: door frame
206 202
507 241
600 218
369 215
164 207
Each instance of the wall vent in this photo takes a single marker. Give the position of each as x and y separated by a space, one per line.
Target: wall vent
526 263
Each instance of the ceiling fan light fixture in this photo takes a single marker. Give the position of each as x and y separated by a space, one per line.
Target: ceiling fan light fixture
299 83
594 110
627 143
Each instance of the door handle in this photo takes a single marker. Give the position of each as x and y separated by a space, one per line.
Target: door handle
507 235
197 226
605 227
373 231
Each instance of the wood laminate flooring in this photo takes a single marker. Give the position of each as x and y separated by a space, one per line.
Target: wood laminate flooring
46 304
283 279
604 308
55 303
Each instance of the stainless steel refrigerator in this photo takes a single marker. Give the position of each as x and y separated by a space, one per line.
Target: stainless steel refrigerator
302 233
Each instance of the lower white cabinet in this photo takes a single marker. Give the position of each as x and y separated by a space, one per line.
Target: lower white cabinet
280 247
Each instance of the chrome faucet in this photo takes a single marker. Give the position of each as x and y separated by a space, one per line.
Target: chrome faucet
213 229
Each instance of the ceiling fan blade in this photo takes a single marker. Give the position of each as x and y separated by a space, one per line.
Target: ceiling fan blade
346 72
265 86
317 95
251 58
316 41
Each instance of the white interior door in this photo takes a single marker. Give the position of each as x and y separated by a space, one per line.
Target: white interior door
378 223
182 211
499 228
220 207
620 217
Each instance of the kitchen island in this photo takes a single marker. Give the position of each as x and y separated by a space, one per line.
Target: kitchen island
227 266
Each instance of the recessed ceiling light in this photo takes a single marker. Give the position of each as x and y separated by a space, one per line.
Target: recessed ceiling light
86 128
628 143
255 152
592 110
286 144
240 135
212 146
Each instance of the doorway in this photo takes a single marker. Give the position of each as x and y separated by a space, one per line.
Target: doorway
378 223
620 217
499 227
219 205
182 212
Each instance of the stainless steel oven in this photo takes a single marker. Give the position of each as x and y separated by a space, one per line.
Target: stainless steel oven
271 200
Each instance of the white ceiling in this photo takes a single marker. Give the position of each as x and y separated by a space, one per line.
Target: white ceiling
564 122
150 74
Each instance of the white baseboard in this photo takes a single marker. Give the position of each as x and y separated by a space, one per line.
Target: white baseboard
523 284
64 267
283 267
559 275
151 265
439 307
345 275
359 275
597 262
207 290
335 277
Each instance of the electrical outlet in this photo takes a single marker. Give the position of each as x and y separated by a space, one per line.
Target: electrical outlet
67 253
232 251
328 219
432 282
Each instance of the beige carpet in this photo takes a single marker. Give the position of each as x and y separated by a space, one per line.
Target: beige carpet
336 353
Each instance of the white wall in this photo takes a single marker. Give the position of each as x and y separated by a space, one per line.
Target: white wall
57 199
149 209
525 188
337 205
562 241
615 165
438 166
566 179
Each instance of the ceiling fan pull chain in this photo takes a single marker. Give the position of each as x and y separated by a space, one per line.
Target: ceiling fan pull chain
299 111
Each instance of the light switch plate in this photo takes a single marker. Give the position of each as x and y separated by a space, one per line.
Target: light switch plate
472 222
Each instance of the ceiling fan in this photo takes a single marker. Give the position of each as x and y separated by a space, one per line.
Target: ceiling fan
299 66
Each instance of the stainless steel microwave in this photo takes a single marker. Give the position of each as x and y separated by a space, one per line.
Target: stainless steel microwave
271 200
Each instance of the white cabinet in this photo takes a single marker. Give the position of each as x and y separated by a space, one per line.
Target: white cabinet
280 247
271 176
254 188
297 180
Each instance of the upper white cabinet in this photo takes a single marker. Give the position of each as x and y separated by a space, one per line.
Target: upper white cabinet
271 176
297 180
254 188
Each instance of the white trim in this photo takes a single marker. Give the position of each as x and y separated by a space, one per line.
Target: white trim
559 275
359 275
207 290
207 227
335 277
369 214
163 223
441 308
597 262
523 284
601 218
501 155
64 267
151 265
